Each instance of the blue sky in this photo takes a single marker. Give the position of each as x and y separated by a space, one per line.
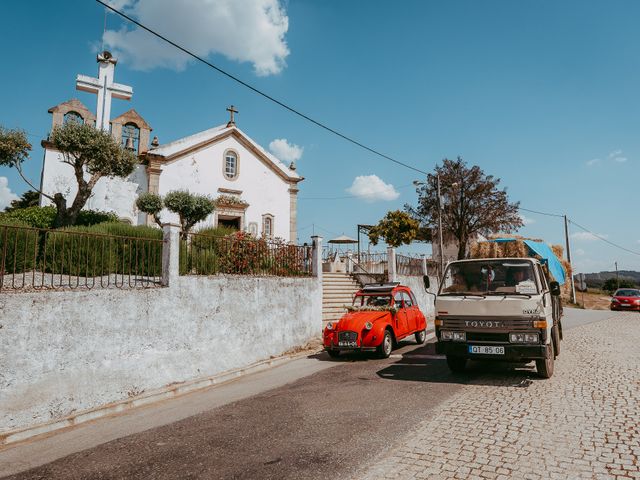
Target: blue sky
542 94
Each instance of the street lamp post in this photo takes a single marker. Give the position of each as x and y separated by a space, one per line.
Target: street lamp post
440 226
417 184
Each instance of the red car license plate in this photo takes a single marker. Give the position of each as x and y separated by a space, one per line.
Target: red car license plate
347 344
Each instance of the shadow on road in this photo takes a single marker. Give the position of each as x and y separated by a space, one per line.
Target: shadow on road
424 365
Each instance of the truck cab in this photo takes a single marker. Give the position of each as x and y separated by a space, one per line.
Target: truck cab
498 309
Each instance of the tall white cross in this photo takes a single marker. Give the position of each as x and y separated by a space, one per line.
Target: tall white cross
105 87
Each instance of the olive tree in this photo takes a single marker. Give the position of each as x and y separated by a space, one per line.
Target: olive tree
191 208
92 153
151 204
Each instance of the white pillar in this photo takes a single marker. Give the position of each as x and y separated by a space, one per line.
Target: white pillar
316 256
391 264
170 253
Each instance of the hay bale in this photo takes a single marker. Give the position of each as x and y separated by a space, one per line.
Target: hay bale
558 251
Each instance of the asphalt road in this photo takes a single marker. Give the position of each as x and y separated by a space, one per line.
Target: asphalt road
324 425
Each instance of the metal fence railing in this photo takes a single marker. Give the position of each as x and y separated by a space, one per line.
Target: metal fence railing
235 254
407 265
39 259
374 263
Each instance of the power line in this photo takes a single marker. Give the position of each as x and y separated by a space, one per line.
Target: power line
346 196
260 92
541 213
604 239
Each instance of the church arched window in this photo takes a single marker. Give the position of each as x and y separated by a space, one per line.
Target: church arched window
267 226
130 136
230 165
73 117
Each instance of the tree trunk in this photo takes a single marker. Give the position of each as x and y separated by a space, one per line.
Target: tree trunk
462 248
61 211
67 216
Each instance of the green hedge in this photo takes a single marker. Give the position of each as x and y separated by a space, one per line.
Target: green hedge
44 217
18 246
71 253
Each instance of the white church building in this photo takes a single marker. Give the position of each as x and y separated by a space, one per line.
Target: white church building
253 191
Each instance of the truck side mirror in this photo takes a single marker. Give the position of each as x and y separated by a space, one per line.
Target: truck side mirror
555 288
427 282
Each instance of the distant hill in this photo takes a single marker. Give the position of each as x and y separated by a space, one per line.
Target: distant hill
596 280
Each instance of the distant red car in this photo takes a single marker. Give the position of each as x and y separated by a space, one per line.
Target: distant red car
626 299
381 315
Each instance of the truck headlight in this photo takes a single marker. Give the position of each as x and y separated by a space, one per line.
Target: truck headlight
459 337
523 337
455 336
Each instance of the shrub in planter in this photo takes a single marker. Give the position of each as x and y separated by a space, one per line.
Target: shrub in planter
103 249
18 246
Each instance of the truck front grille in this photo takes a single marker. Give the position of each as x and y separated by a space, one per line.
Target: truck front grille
487 337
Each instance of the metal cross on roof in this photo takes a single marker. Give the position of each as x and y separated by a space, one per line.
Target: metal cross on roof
231 110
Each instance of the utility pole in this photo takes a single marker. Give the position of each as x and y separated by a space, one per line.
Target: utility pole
566 236
617 280
440 227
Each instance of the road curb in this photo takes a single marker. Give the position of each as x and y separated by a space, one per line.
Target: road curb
170 391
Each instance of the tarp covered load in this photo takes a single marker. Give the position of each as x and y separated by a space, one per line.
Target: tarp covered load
524 247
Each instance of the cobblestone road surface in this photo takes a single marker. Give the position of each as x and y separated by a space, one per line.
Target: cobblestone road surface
584 422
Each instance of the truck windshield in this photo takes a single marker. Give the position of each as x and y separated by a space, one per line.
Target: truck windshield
506 276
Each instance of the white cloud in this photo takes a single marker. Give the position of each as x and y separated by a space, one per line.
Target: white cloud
587 237
593 161
580 251
616 156
371 188
244 31
6 195
285 151
527 220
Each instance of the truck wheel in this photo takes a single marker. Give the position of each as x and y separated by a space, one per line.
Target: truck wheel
545 365
555 336
421 337
384 349
456 364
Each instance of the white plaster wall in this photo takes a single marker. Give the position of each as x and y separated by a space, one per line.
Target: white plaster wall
109 195
201 172
64 352
425 301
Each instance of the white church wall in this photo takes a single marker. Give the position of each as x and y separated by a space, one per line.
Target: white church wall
201 172
116 195
63 353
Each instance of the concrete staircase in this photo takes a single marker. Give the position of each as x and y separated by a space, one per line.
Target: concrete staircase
337 290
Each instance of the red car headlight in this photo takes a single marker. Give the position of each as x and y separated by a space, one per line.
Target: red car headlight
615 300
368 326
329 326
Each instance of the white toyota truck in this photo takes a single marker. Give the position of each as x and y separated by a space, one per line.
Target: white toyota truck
499 309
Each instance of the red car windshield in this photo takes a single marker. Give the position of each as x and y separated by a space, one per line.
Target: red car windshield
372 300
627 293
